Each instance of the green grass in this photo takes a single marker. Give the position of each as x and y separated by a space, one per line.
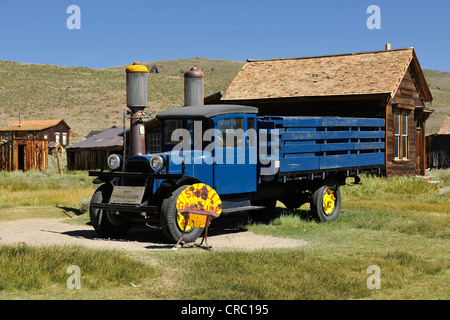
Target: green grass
411 247
41 189
442 175
29 269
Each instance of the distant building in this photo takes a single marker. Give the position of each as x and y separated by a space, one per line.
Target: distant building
52 130
25 144
93 152
438 147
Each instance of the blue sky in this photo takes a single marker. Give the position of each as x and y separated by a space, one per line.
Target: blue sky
119 32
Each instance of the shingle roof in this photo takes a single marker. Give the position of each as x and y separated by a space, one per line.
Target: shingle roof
377 72
445 128
107 138
33 125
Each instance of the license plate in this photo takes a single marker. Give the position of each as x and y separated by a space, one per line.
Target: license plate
127 195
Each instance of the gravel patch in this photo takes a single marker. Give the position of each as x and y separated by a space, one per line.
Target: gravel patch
48 232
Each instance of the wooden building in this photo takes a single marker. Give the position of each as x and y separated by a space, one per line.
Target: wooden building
93 152
386 84
438 147
24 154
53 130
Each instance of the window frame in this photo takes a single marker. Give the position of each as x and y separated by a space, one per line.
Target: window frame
401 135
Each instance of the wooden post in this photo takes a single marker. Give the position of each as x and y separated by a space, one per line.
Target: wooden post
58 156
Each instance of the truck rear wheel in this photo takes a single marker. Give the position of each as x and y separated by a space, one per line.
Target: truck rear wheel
326 201
172 221
106 222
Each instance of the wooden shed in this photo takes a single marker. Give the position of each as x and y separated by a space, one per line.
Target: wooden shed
53 130
438 147
386 84
24 154
93 152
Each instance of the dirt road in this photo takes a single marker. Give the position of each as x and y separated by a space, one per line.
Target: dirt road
49 232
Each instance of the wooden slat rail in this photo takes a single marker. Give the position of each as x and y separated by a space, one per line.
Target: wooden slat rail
316 143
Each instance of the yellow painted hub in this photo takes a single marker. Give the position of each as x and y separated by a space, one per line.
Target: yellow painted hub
180 221
329 201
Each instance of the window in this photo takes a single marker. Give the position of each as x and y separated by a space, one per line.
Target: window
57 134
64 139
30 136
45 136
154 142
188 127
6 136
401 135
232 131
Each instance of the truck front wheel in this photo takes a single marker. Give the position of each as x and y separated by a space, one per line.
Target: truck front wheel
326 201
172 221
107 223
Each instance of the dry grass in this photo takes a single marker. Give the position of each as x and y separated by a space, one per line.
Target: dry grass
82 96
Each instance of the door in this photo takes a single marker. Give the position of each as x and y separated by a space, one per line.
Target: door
235 154
21 158
419 147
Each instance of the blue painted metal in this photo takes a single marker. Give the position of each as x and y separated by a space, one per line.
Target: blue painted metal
235 169
304 144
323 143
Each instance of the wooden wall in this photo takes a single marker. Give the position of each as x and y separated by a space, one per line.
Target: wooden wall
24 154
61 128
90 159
406 100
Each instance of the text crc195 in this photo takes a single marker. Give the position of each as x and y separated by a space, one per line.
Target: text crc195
246 309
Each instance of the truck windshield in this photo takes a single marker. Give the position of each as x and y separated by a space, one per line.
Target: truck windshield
188 129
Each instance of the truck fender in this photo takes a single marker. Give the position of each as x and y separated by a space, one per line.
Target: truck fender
165 189
187 180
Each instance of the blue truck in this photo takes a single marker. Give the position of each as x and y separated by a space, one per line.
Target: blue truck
251 162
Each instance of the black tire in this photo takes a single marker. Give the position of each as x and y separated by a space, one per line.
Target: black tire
317 201
107 223
169 223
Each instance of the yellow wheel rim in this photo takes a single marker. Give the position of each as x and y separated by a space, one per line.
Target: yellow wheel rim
180 221
329 201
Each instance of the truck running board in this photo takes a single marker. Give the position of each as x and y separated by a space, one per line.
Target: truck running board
242 209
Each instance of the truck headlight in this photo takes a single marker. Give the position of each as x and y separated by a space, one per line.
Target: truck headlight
114 161
157 163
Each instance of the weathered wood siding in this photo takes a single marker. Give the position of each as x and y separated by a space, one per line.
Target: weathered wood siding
61 128
24 154
405 100
89 159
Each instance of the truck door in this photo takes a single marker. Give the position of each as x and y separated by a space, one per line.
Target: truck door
235 154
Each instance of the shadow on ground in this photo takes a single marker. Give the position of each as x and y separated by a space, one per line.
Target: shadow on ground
226 224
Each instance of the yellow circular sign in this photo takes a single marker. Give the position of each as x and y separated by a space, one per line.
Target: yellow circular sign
197 202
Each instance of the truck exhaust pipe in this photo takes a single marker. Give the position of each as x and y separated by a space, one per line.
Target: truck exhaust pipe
136 102
193 87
